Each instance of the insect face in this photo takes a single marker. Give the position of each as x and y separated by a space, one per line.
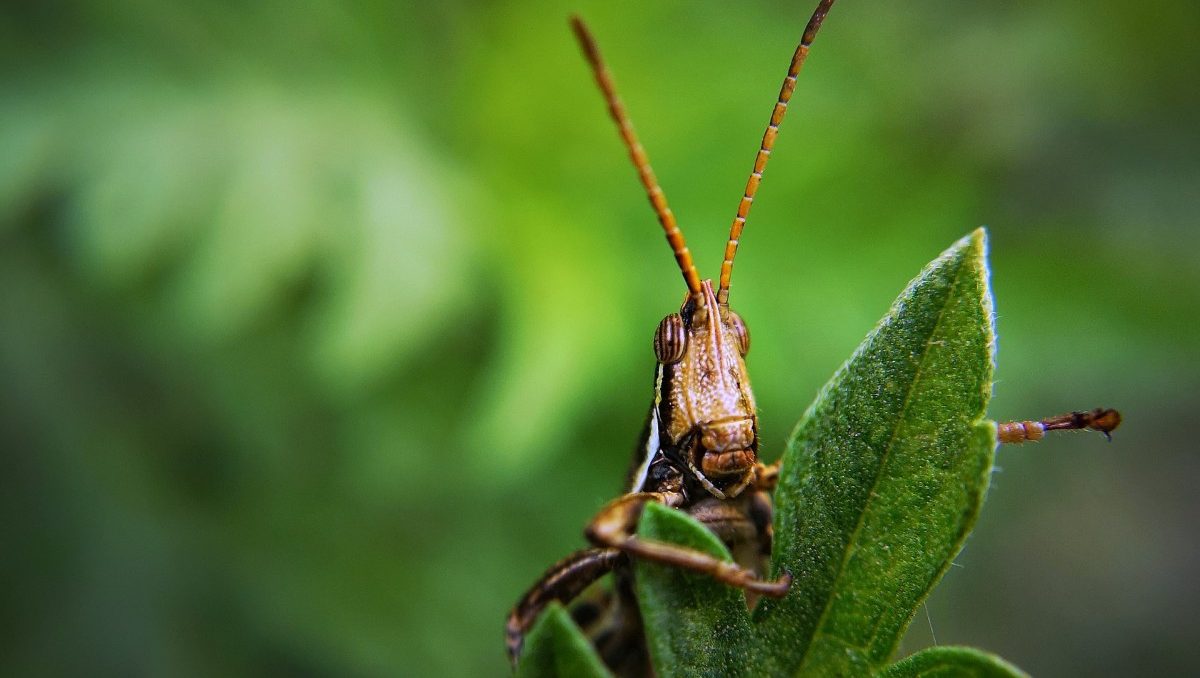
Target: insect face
705 408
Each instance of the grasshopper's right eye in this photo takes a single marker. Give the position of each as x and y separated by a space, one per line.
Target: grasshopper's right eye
670 339
740 332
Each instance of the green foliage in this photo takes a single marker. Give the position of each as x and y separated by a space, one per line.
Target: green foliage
556 647
695 626
885 474
880 485
952 662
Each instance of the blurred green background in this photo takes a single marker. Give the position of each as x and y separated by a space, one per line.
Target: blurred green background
326 326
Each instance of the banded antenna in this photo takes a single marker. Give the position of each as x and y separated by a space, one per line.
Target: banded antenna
768 141
683 256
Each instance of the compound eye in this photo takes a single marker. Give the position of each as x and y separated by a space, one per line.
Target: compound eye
739 331
670 339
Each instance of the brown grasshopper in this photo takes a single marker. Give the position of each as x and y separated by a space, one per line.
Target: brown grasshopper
698 451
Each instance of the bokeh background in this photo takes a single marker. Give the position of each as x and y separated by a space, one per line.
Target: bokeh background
325 327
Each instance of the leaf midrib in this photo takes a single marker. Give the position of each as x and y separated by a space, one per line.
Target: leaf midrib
887 452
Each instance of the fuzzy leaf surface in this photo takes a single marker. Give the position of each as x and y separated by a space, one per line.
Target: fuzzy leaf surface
884 476
695 625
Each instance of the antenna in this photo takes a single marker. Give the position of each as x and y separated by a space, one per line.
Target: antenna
764 150
638 154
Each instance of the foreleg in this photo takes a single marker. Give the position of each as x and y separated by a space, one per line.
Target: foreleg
614 527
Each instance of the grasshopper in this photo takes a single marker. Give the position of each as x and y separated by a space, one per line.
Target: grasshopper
698 450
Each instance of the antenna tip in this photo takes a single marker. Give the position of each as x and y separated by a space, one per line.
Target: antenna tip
584 36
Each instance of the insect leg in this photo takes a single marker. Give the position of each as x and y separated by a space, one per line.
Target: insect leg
614 526
762 513
1099 419
562 582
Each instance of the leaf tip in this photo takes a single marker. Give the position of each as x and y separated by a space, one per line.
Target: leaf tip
977 243
556 646
979 236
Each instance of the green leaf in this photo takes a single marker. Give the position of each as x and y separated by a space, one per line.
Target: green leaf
952 662
884 476
695 625
556 647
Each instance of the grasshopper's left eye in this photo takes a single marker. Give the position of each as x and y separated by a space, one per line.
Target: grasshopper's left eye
739 331
670 341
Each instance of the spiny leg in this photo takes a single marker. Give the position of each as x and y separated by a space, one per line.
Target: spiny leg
614 526
562 582
1099 419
